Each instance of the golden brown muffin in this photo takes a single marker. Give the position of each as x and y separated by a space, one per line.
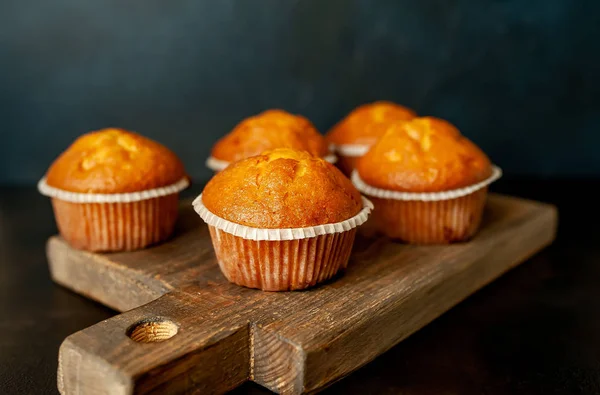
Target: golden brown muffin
423 155
352 136
282 220
115 190
114 161
269 130
367 123
282 188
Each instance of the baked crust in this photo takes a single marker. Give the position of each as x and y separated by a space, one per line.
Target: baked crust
425 154
114 161
366 123
269 130
282 188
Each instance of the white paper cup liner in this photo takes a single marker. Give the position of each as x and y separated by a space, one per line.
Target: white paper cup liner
216 164
219 165
352 150
250 233
79 197
423 196
331 158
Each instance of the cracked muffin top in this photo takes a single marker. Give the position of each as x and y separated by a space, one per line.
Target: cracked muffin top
366 123
269 130
114 161
425 154
282 188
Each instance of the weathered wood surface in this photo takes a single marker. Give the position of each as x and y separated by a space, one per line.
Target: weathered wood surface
292 342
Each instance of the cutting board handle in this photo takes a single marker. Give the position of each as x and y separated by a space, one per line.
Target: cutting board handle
144 349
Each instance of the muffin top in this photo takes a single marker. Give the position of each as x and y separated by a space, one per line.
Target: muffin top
269 130
114 161
366 123
425 154
282 188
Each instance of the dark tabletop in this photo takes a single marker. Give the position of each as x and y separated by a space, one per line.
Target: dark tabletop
536 330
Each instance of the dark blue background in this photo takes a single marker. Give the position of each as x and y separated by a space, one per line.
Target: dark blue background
518 77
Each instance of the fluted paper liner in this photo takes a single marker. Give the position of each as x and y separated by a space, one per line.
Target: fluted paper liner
348 156
423 196
81 197
115 222
281 259
353 150
250 233
218 164
427 218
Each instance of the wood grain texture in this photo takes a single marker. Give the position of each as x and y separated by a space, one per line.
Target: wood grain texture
290 342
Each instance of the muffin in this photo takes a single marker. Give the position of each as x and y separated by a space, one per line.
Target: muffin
352 136
427 181
268 130
282 220
114 190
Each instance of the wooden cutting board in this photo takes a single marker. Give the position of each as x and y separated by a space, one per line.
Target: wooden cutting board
186 329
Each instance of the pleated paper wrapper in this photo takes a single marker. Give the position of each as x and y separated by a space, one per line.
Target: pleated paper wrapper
115 222
281 259
348 155
429 217
218 165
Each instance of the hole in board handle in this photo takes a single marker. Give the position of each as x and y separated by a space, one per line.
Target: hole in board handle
152 330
